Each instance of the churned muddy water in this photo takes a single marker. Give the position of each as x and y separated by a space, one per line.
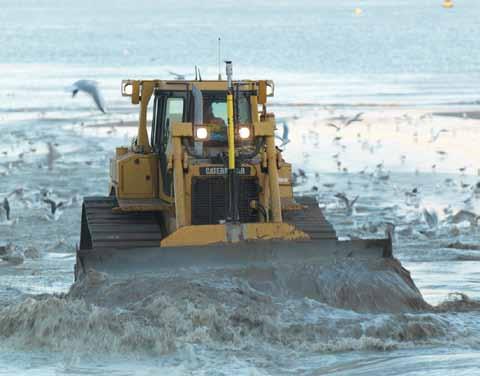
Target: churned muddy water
408 166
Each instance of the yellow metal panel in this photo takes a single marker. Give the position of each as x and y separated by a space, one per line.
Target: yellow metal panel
137 176
262 92
286 191
182 130
265 194
121 151
275 202
285 180
211 234
180 85
195 235
143 144
135 92
254 108
264 128
179 183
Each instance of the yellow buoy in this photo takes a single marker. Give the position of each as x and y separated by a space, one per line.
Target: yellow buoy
448 4
358 11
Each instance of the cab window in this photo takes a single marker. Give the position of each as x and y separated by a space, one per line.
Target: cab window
173 114
219 111
244 110
215 113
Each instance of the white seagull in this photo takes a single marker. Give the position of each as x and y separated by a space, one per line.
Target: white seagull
91 88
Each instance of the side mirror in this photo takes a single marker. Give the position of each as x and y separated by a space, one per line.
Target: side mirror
270 88
266 88
131 88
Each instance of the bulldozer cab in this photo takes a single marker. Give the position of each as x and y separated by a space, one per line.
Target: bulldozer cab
207 140
180 106
207 110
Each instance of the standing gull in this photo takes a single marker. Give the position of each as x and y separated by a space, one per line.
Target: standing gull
6 209
5 218
52 155
91 88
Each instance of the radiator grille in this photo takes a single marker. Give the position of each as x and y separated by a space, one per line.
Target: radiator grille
209 199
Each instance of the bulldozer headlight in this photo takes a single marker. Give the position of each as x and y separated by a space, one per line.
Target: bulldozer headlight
244 133
201 133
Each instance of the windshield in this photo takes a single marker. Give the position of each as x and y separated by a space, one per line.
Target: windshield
215 113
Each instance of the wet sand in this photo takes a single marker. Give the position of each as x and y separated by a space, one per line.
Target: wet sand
460 114
120 124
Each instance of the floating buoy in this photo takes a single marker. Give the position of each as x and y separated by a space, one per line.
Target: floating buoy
358 11
448 4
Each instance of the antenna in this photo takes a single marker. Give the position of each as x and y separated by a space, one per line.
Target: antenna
196 73
219 53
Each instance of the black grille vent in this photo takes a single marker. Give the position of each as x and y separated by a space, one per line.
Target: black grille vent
209 199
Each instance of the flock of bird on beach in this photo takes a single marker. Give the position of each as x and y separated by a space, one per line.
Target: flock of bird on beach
378 176
37 199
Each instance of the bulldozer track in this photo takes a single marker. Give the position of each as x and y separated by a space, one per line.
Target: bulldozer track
310 220
103 228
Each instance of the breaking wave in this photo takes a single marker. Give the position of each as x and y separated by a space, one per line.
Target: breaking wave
157 315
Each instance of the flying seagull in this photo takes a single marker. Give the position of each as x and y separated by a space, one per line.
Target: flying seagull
348 203
430 217
53 205
284 137
54 212
177 76
332 125
354 119
91 88
435 136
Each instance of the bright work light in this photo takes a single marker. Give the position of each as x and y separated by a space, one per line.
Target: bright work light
202 133
244 132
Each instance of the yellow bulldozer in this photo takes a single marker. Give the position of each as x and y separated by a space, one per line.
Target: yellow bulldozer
205 184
